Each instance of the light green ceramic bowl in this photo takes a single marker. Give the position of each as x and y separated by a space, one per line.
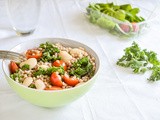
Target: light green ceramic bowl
50 98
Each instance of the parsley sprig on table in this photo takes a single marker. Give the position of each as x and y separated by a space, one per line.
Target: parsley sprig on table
141 61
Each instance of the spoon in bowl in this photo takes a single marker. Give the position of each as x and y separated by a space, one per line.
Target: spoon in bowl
4 54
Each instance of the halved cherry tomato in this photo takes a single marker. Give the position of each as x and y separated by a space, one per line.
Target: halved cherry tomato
59 63
33 53
70 80
56 79
54 88
135 27
13 67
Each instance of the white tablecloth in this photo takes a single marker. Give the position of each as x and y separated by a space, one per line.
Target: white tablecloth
118 94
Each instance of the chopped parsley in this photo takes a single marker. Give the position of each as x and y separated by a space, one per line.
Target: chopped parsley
25 67
81 68
141 61
15 75
48 52
155 74
49 71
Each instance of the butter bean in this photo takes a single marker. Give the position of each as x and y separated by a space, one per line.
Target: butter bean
66 57
75 52
27 81
32 62
44 67
39 85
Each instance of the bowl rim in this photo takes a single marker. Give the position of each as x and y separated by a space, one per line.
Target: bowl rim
52 91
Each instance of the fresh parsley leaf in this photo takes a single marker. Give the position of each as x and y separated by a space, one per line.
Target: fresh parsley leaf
40 71
152 57
82 67
134 58
141 61
155 74
15 75
48 47
32 86
48 52
25 67
49 71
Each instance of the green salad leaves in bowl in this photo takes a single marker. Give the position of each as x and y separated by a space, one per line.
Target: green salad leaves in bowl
122 18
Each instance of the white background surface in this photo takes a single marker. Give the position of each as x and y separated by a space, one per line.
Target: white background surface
117 94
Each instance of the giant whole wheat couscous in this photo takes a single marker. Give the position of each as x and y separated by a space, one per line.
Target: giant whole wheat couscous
53 67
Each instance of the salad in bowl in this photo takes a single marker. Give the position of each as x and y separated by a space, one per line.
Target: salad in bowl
55 72
53 66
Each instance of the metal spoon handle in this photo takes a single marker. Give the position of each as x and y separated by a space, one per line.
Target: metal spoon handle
4 54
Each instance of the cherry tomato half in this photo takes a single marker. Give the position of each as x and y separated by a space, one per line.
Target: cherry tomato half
59 63
54 88
33 53
56 79
70 80
13 67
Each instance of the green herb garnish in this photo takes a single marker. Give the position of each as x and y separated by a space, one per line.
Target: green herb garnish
135 58
141 61
15 75
82 67
25 67
48 71
48 52
155 74
32 86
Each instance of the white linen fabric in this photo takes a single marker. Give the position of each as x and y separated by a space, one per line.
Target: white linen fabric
118 94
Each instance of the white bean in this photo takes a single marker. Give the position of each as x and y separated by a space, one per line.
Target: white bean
39 84
32 62
76 52
27 81
44 67
66 57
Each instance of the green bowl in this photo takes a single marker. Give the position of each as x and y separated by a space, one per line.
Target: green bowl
50 98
